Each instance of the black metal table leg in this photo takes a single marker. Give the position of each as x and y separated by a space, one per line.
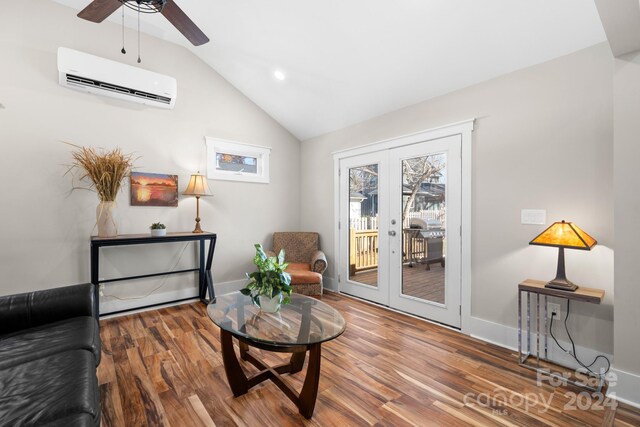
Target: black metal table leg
95 259
208 278
201 273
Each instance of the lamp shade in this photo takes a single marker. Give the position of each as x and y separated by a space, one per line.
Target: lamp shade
198 186
564 235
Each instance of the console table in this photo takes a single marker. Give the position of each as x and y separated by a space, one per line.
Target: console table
205 282
537 288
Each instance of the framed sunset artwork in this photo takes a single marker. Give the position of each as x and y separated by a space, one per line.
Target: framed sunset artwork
154 189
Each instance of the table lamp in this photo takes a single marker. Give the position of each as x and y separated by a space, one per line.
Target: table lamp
564 235
198 186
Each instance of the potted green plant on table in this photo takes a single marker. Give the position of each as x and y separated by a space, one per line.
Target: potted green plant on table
270 286
158 229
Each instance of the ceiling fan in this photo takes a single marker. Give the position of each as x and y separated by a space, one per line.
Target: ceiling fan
98 10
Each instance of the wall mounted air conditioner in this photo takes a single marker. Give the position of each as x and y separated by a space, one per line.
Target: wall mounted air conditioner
100 76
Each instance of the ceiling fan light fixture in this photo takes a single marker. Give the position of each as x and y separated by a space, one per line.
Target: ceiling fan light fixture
145 6
99 10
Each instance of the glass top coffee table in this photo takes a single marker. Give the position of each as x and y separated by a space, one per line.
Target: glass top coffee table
301 326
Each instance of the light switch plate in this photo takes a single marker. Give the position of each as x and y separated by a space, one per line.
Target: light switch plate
533 216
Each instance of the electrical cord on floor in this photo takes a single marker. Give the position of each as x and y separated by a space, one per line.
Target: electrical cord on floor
164 282
573 346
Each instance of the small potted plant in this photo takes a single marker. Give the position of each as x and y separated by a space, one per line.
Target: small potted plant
270 286
158 229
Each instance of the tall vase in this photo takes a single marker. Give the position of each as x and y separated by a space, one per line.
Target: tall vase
106 219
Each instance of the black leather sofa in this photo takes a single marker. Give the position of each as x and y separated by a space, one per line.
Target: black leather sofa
49 352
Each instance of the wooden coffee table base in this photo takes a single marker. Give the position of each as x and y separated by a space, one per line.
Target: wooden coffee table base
240 383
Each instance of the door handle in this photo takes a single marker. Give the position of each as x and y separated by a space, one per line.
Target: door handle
392 233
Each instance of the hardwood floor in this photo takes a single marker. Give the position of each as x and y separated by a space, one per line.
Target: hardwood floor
164 367
417 281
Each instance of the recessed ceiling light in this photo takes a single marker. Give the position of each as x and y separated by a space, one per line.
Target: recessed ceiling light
279 75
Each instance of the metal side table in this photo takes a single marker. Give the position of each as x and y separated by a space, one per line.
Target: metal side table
537 288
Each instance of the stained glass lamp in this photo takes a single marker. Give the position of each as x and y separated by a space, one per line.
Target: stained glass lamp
564 235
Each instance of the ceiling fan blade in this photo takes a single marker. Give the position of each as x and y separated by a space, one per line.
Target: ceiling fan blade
183 23
99 10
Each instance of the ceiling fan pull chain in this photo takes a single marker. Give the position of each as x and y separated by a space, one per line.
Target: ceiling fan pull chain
139 60
123 50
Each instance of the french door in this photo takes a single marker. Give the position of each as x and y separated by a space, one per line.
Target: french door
399 229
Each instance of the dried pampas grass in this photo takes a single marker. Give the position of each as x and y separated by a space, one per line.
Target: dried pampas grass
106 169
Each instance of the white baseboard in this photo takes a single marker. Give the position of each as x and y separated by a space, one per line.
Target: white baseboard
625 388
330 283
110 304
494 333
507 336
228 287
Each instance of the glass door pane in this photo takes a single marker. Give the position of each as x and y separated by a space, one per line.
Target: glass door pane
363 227
424 226
426 195
363 224
398 229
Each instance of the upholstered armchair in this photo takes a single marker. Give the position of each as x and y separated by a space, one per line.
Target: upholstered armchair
306 261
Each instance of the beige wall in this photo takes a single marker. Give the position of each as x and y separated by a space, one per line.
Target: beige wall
627 217
543 139
44 230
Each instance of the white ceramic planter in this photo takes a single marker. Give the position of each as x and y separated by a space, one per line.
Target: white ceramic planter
158 232
270 305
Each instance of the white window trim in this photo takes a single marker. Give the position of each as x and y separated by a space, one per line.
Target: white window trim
217 145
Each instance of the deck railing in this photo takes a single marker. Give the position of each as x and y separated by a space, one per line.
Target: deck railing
363 223
438 215
363 249
414 247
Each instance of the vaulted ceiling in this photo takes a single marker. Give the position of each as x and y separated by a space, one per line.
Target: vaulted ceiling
348 61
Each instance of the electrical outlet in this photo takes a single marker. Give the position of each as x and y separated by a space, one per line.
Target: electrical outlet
553 308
